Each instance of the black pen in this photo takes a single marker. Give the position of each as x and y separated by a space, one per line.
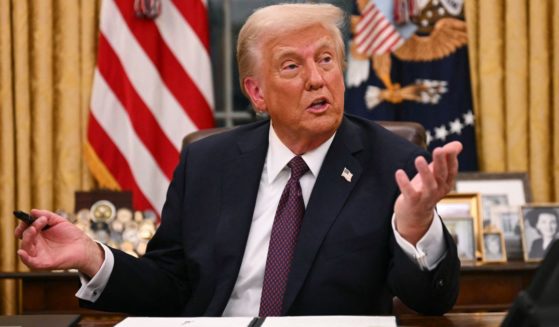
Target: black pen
27 218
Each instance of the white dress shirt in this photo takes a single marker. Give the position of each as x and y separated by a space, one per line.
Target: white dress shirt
245 298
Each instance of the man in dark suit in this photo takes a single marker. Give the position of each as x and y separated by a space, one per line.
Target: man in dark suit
230 242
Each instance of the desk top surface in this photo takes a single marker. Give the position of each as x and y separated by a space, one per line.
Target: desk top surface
448 320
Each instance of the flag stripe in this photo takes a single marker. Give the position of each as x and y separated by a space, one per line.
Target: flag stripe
374 33
367 29
369 8
145 125
179 85
372 37
144 77
366 22
370 15
115 162
113 118
184 89
189 51
194 12
383 36
152 86
390 43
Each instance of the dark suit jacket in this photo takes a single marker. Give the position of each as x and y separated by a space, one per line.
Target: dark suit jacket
346 262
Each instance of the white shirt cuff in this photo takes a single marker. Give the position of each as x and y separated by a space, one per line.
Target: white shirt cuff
92 288
430 249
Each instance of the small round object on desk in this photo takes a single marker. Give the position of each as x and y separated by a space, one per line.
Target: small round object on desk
146 230
102 235
150 215
83 216
97 226
138 216
124 215
103 211
130 233
117 226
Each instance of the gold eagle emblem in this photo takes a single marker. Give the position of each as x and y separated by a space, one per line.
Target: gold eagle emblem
440 32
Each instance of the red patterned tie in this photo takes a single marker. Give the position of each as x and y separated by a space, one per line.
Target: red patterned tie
285 230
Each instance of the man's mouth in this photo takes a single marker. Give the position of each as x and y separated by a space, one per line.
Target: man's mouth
318 104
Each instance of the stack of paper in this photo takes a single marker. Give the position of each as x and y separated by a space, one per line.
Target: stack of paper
305 321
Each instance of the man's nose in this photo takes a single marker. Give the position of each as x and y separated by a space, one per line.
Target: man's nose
315 80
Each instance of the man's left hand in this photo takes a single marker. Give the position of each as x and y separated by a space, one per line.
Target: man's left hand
415 206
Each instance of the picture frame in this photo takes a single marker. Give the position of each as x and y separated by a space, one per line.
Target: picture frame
493 249
455 208
507 220
462 231
495 189
540 229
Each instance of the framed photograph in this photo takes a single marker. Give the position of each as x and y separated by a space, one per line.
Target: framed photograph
493 247
507 220
461 215
495 189
462 231
539 229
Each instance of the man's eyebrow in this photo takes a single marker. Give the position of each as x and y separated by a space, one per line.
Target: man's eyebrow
283 52
287 51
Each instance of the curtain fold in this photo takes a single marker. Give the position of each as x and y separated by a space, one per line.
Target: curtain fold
42 67
491 93
516 85
67 94
539 100
514 57
8 291
47 59
555 95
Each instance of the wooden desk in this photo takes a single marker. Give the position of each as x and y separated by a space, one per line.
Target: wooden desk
484 319
49 293
448 320
490 288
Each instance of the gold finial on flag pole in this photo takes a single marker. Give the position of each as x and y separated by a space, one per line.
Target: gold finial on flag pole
147 9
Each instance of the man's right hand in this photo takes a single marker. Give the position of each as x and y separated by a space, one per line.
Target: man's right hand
62 246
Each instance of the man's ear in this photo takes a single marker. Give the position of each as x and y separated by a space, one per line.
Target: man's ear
255 93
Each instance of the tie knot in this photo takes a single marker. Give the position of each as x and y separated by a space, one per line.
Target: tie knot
298 167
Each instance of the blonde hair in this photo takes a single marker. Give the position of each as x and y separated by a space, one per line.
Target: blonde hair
268 22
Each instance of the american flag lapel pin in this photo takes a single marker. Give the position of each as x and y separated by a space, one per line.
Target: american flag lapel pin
347 175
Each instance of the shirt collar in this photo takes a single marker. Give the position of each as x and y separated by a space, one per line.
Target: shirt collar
279 155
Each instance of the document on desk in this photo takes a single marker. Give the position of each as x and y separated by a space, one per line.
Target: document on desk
186 322
330 321
303 321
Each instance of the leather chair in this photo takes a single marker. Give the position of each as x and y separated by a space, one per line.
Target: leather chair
411 131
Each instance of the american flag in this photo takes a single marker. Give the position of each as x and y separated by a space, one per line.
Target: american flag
151 87
375 35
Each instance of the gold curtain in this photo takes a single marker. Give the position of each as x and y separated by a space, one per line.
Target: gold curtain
514 58
47 58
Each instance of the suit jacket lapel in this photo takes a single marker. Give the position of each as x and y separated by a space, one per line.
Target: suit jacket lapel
328 197
240 187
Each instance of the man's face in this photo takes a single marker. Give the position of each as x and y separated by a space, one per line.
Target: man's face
547 224
301 86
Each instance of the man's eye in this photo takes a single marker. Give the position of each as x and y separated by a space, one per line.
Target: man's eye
290 67
326 59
